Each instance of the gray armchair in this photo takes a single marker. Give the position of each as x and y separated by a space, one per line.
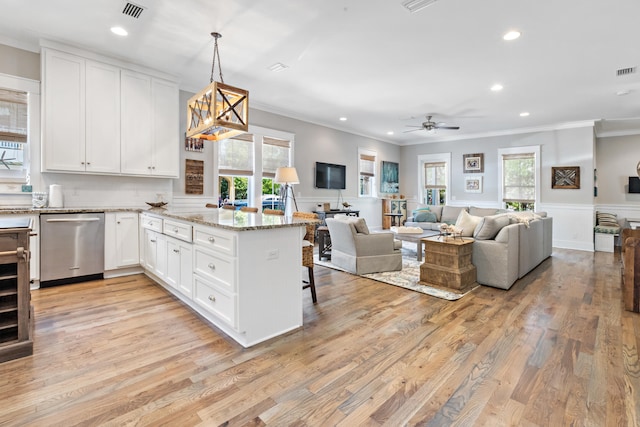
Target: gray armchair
357 251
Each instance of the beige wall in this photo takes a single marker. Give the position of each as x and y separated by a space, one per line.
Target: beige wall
18 62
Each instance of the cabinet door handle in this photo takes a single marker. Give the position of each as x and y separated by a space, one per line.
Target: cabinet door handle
149 167
152 241
176 251
211 266
212 298
211 239
175 230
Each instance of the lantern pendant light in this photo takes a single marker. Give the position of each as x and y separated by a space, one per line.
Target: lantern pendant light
219 111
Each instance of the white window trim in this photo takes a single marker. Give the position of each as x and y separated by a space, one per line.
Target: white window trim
535 149
433 158
32 87
374 183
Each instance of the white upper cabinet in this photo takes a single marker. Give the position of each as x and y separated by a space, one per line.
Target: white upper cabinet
64 112
100 118
150 126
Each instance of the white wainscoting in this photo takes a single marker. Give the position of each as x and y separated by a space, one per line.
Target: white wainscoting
572 225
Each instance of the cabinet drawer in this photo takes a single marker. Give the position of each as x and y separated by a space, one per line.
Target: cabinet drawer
216 240
219 302
216 268
178 230
151 222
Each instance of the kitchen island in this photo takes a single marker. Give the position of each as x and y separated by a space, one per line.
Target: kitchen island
240 271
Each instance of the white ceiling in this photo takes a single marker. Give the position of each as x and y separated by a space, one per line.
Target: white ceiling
374 62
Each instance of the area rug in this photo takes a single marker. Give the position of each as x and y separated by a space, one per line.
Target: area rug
408 277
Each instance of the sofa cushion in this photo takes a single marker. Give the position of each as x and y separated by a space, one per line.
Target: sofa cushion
482 211
489 226
467 223
424 216
450 213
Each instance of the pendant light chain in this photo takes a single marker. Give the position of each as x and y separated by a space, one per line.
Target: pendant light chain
216 36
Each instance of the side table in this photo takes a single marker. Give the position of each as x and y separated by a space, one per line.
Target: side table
447 262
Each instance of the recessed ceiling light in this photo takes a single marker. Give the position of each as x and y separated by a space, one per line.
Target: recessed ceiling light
496 87
623 92
524 114
119 31
343 119
390 132
511 35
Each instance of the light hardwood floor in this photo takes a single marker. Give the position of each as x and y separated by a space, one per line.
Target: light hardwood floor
556 349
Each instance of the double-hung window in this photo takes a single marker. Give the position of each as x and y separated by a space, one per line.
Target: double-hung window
435 183
13 136
235 166
276 152
519 177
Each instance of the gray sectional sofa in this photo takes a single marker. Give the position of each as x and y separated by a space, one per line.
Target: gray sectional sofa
507 245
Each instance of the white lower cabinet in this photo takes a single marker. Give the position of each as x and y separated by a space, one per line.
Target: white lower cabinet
216 300
121 248
155 252
251 298
180 266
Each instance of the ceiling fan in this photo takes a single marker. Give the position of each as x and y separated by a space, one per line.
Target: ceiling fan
430 125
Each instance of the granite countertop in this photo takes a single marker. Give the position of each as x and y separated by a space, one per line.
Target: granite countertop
231 220
27 210
223 218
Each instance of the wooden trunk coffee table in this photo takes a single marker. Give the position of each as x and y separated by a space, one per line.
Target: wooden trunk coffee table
447 262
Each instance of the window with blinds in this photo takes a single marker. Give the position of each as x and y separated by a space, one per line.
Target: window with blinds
13 136
235 156
435 183
275 154
519 181
367 171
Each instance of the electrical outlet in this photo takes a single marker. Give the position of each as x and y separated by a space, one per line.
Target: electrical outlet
273 254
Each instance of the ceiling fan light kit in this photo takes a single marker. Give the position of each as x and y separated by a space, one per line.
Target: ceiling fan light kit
430 126
219 111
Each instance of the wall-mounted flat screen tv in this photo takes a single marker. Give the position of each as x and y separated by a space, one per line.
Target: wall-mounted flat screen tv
634 184
331 176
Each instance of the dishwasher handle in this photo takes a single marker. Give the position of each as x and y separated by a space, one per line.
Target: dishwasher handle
72 219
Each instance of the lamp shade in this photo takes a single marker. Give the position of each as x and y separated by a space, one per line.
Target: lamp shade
286 175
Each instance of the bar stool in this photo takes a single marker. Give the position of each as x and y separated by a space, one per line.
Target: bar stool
324 242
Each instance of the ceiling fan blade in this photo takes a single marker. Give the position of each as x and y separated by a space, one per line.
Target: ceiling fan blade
447 127
412 130
413 126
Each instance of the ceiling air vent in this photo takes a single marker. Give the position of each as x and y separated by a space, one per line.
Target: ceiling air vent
625 71
416 5
132 10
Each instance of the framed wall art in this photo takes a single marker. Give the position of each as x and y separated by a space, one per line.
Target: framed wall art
473 184
565 177
194 176
389 182
473 163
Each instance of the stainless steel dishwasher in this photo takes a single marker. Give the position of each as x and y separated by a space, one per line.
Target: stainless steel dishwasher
71 248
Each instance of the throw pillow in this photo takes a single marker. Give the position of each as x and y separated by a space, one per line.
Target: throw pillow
450 214
361 226
489 226
424 216
467 222
607 219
